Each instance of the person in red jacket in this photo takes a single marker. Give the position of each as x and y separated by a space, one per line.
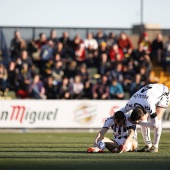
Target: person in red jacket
125 44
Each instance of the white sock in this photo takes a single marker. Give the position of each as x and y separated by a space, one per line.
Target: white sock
157 134
146 136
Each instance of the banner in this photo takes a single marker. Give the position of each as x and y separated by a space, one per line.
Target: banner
60 113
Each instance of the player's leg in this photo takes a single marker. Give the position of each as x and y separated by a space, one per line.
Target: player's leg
110 144
132 146
105 142
158 130
146 137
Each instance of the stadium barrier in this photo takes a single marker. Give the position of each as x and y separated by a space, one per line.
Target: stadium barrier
61 113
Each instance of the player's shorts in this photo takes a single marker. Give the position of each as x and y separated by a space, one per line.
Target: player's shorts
164 101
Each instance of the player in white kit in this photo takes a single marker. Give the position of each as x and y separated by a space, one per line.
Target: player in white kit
148 105
125 136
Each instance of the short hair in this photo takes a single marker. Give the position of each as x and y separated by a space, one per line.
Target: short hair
119 115
137 114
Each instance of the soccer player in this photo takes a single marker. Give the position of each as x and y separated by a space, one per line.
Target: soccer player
125 136
148 105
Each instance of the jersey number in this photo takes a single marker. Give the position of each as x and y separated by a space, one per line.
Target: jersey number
145 88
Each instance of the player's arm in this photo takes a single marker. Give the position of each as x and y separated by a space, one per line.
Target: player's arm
153 121
131 132
100 136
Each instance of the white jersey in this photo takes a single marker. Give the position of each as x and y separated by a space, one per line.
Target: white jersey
148 97
122 131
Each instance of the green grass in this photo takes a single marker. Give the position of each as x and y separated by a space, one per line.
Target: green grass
62 151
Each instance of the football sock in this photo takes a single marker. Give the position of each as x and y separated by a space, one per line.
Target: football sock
146 136
157 134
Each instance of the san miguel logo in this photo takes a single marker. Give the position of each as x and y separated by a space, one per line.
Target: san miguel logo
84 113
22 114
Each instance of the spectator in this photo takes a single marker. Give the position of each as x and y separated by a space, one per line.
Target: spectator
111 40
3 77
53 37
24 77
47 51
145 41
64 89
65 40
157 49
57 72
80 54
83 72
125 44
90 41
116 73
41 41
100 37
17 45
24 59
87 90
12 82
116 90
50 89
136 84
77 88
36 89
100 90
91 56
104 64
116 54
71 70
76 42
24 80
167 55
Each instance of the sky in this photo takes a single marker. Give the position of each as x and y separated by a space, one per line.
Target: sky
84 13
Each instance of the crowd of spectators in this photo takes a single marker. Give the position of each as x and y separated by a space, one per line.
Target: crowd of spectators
60 68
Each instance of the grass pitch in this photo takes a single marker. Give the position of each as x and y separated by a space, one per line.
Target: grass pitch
67 151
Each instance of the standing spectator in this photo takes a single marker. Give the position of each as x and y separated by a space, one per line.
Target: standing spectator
53 37
65 40
100 37
50 89
111 40
167 55
116 90
36 88
125 44
157 49
90 41
17 45
101 89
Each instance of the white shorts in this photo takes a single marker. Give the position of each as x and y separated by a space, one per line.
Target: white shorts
164 102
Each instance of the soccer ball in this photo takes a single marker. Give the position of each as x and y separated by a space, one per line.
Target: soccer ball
101 145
